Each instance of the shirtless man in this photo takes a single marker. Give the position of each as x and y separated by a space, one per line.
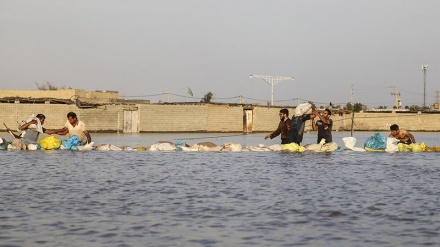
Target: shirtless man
402 135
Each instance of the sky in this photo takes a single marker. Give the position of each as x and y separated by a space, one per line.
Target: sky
146 49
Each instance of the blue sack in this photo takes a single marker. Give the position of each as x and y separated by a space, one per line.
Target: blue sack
72 143
376 142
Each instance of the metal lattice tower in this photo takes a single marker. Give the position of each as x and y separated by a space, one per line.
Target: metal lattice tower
272 80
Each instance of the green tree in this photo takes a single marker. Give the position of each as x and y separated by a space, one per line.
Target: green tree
358 107
207 98
415 108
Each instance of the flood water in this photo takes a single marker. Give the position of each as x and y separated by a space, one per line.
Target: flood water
142 198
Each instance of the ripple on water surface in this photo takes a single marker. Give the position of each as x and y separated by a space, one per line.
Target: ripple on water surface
218 199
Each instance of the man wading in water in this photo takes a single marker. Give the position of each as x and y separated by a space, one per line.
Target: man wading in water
283 127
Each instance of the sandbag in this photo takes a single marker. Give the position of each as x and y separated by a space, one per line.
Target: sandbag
329 147
392 145
376 142
302 109
32 146
3 144
404 147
418 147
314 147
50 143
349 143
72 143
293 147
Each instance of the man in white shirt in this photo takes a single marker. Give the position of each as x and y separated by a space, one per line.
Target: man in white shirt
74 127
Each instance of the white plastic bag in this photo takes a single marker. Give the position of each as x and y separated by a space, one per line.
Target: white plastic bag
349 143
301 109
392 145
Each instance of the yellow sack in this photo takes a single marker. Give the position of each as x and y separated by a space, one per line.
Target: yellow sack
50 143
292 147
404 147
436 148
418 147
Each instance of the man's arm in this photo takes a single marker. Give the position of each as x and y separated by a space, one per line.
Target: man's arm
323 119
89 138
26 125
411 136
61 132
275 133
314 127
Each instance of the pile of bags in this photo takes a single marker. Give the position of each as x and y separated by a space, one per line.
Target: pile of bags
381 143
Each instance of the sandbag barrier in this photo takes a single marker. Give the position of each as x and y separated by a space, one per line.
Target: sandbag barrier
53 143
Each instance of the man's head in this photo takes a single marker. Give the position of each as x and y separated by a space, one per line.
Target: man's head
394 128
41 117
71 116
327 113
284 113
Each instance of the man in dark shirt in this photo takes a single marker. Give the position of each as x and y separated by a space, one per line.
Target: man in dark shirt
298 122
283 127
323 126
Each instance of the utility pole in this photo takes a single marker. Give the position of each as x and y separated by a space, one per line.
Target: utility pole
437 96
424 68
397 103
272 80
351 95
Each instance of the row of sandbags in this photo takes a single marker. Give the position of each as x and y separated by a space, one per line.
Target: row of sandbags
53 143
379 143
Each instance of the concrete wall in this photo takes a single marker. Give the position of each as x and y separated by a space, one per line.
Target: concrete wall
60 94
225 118
199 117
173 118
267 118
369 121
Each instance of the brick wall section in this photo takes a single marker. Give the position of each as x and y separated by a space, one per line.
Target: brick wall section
202 118
382 121
225 118
266 119
173 118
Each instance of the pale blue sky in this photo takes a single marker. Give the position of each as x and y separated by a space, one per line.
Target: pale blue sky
144 48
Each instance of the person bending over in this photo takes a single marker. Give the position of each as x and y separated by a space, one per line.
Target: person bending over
74 126
402 135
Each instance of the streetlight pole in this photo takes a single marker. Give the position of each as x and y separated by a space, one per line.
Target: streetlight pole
424 68
272 80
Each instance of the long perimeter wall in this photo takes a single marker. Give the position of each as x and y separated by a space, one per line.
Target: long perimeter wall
200 117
